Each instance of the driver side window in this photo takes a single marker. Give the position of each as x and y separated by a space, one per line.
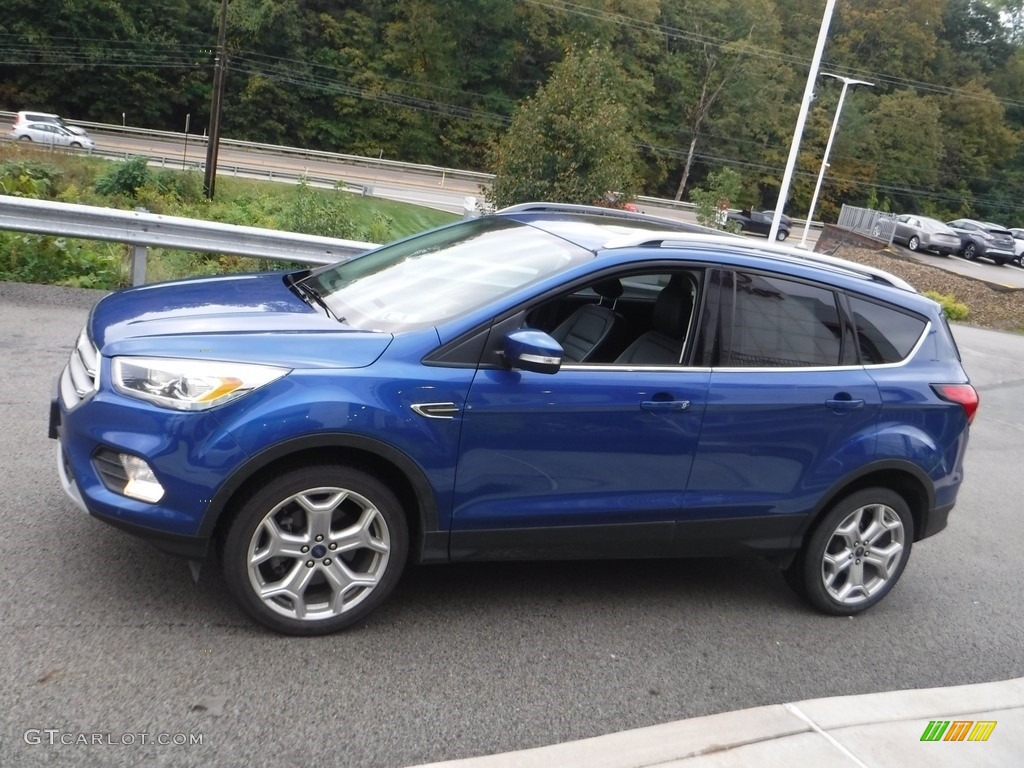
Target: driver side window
641 319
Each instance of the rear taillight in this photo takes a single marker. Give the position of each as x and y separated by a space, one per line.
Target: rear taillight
964 394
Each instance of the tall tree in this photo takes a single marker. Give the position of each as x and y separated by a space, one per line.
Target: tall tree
903 139
573 141
894 37
709 45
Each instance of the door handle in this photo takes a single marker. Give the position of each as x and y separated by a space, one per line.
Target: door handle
660 406
844 405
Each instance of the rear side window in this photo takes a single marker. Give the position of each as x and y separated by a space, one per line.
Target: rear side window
884 334
772 322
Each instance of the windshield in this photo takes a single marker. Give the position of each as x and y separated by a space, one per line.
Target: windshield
424 280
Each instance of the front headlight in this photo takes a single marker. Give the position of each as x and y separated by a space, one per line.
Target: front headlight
189 385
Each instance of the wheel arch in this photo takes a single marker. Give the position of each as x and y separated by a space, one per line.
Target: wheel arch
385 462
902 477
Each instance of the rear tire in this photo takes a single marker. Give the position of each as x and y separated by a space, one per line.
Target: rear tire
914 243
970 251
315 549
856 554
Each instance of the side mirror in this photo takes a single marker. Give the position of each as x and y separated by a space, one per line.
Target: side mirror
530 350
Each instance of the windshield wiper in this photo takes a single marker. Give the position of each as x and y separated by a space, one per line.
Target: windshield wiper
309 295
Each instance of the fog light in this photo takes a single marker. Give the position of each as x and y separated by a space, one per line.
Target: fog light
142 483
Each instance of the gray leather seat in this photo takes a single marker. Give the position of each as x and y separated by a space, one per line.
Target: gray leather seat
663 345
585 330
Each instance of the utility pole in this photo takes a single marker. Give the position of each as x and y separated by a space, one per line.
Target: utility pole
219 69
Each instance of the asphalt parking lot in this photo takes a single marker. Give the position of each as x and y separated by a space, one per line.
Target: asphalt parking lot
113 657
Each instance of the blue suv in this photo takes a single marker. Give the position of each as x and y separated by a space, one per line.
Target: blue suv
544 382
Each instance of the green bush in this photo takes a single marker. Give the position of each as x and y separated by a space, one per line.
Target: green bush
125 179
720 192
319 212
951 308
28 178
60 261
379 231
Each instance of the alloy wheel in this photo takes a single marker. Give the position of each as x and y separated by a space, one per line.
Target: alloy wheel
319 553
863 554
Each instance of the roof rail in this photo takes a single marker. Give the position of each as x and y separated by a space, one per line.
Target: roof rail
615 213
668 239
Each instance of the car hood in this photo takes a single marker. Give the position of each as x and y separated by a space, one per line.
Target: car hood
244 318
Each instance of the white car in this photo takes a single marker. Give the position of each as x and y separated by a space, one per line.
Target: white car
25 117
52 134
1018 245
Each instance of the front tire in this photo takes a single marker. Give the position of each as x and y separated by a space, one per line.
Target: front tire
856 554
315 549
970 251
781 235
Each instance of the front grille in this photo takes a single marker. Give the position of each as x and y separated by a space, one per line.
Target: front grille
81 375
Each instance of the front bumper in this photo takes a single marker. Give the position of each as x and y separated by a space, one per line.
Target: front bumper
165 439
189 547
997 254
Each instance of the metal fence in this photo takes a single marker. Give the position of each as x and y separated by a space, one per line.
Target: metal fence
865 221
142 230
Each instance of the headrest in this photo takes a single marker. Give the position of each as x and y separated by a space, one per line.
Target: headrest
608 289
672 308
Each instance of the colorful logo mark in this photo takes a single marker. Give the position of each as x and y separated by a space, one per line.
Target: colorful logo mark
958 730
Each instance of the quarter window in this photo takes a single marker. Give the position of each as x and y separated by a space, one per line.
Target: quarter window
884 334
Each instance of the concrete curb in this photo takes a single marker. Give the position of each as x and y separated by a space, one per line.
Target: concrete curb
881 730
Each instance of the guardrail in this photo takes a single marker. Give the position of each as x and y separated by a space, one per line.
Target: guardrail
142 230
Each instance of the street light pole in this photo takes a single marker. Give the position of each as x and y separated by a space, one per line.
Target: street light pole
847 82
794 147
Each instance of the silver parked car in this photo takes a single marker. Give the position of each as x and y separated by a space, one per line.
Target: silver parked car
52 134
925 234
982 239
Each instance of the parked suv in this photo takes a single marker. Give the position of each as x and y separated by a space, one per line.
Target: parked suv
543 382
981 239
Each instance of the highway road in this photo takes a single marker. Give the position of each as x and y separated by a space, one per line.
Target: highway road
443 192
105 639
